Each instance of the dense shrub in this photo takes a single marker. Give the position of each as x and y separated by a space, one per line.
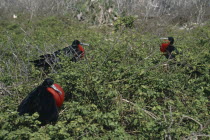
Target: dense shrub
121 90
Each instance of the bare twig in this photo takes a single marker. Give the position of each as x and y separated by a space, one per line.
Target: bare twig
7 91
184 116
202 135
147 112
195 136
62 111
172 120
167 131
164 116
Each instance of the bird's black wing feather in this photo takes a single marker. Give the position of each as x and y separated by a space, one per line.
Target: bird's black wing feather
30 104
48 111
47 59
41 101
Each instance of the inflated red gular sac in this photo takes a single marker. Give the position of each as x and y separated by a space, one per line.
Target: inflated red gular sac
58 94
168 49
45 100
166 43
164 46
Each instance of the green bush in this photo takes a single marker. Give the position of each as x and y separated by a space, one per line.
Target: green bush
120 90
124 22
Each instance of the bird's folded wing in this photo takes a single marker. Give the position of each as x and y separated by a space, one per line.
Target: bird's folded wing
29 104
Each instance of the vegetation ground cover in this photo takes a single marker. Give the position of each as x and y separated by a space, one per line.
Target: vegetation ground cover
121 90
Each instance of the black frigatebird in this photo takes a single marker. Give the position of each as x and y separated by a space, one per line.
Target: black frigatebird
45 100
74 51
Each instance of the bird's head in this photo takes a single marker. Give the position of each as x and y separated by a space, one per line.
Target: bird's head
48 82
168 40
171 39
75 43
55 90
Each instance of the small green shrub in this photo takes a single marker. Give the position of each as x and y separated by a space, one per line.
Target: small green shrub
124 22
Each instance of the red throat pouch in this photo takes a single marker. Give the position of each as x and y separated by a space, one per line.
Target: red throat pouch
82 50
163 47
59 97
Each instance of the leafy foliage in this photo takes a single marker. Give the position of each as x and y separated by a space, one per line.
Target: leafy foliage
126 21
123 89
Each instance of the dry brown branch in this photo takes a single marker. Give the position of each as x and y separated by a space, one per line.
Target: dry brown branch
187 117
173 10
147 112
3 87
7 91
195 136
62 111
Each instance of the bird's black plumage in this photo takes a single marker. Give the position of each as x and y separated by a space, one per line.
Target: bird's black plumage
47 60
41 101
170 49
171 39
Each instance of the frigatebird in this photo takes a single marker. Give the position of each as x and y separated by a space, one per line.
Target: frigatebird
45 100
167 47
74 51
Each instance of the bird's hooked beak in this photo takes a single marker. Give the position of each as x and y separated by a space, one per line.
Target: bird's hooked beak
164 38
85 44
54 87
